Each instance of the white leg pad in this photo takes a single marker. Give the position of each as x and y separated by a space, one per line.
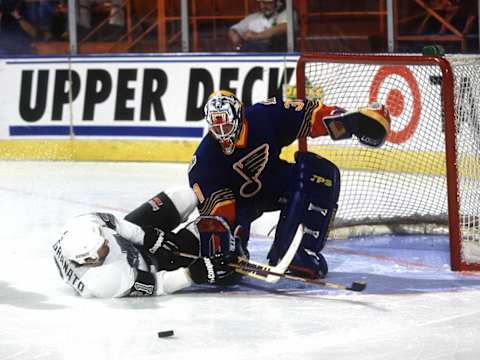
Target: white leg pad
184 200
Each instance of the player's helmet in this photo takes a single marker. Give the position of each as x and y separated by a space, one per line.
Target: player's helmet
223 112
81 241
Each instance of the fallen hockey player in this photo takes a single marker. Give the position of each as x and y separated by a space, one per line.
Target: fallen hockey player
100 255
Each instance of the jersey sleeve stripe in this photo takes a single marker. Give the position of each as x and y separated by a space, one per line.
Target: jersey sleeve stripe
306 125
213 201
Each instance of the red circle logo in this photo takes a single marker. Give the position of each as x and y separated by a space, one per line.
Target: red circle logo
395 100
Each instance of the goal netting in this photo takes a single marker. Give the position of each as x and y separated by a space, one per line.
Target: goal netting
426 178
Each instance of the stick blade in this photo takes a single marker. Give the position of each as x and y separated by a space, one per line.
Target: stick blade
357 286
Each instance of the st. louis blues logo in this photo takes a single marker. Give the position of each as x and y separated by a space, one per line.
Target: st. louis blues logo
250 167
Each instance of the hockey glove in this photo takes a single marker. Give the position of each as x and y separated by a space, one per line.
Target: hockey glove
211 269
320 112
164 247
371 124
216 236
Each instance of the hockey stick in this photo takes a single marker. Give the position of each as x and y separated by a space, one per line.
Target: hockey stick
257 270
260 271
283 265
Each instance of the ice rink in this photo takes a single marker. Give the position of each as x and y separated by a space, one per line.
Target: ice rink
413 308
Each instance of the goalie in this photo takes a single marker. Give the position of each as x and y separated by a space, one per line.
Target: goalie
100 255
236 171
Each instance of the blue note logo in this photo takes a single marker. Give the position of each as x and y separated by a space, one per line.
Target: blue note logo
250 167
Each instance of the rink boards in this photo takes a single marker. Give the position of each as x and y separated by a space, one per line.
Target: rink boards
131 108
150 107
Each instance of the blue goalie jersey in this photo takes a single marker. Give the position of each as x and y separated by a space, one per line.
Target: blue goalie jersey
253 179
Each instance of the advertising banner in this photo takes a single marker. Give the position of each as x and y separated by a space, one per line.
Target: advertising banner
158 97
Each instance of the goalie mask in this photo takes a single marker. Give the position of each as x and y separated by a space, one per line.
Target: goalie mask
83 242
223 113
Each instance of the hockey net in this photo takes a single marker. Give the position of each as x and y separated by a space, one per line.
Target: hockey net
426 178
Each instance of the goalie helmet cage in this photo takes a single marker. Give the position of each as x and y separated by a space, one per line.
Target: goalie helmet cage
426 178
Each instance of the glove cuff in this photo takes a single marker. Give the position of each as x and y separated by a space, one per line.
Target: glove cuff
201 271
319 114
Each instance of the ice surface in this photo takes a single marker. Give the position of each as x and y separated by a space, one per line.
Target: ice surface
413 308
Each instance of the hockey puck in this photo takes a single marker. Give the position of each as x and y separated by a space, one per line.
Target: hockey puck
164 334
358 286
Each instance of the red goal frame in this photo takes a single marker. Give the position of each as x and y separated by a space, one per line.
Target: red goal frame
457 264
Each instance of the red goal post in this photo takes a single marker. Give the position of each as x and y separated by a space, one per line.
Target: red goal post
426 178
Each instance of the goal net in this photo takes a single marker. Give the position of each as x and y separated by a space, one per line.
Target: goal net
426 178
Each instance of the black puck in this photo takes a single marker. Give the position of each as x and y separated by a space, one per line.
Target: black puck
167 333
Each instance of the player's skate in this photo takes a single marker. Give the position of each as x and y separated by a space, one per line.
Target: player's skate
308 264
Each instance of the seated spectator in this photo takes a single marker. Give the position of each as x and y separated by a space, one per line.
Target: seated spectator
16 33
265 30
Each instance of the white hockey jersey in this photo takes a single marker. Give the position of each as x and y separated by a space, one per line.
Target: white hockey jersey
116 276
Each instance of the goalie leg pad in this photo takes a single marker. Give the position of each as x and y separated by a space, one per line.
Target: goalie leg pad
313 203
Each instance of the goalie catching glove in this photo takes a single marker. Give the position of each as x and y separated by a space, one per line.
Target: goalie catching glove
371 124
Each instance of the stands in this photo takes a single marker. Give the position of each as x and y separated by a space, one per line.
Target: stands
341 25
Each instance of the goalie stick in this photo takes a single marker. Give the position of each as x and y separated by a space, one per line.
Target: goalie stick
276 271
264 272
260 271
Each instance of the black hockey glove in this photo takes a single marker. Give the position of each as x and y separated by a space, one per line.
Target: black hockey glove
165 247
211 269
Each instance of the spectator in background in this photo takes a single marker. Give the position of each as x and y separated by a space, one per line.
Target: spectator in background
41 13
116 22
16 33
59 27
265 30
